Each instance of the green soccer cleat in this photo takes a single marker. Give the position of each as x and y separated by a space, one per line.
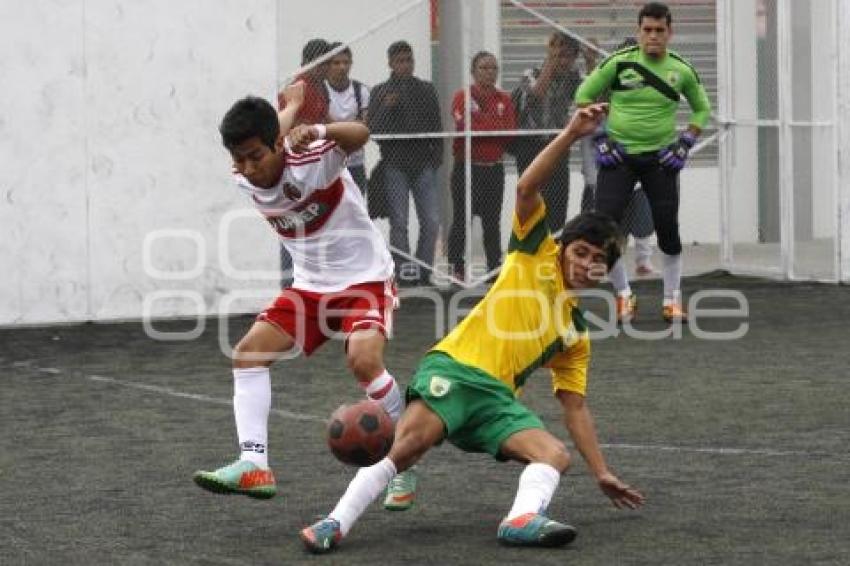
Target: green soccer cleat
401 492
242 477
533 529
322 536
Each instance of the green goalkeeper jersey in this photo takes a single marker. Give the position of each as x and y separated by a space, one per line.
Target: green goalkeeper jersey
644 96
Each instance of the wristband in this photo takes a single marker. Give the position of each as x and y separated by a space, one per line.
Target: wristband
321 131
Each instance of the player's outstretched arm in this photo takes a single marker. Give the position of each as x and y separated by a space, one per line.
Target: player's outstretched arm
583 122
579 423
293 97
349 136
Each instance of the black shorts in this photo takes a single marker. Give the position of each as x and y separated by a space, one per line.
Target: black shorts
615 188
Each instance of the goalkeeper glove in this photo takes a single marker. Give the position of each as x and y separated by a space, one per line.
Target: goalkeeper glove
674 156
608 153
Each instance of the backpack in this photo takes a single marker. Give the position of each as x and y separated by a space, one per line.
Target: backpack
358 96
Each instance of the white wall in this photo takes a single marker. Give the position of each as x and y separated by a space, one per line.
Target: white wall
43 249
109 132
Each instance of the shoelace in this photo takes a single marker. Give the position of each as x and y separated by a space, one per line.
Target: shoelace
399 482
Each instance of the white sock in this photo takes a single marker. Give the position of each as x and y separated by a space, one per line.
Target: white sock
537 485
672 275
619 279
252 401
363 489
643 250
384 389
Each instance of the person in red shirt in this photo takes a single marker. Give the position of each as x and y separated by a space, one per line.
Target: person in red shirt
315 107
491 109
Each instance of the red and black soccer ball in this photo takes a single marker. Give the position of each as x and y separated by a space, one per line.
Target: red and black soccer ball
360 434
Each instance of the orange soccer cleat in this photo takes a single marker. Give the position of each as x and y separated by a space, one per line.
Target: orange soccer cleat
626 308
674 313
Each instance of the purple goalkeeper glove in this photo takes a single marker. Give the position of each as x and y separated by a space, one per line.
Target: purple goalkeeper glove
674 156
608 153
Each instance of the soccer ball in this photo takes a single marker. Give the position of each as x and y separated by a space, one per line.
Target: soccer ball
360 434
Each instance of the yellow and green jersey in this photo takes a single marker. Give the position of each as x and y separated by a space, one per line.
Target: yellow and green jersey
528 319
645 95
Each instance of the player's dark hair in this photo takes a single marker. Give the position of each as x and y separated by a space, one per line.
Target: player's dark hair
477 57
346 51
596 229
250 117
398 47
656 11
560 39
314 49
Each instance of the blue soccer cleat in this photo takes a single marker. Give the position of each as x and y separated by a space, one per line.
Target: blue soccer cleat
322 536
533 529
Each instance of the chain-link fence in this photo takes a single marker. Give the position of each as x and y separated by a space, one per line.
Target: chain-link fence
456 120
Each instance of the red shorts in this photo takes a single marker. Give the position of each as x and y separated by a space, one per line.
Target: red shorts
312 318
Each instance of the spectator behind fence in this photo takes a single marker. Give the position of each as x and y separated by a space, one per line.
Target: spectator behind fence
542 100
490 109
348 100
315 107
637 220
405 104
589 169
314 110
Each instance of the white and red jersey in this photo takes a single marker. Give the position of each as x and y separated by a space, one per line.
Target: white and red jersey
321 217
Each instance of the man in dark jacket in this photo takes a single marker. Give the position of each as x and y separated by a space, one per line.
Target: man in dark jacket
405 104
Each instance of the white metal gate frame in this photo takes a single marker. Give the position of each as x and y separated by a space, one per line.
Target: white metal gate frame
785 123
842 34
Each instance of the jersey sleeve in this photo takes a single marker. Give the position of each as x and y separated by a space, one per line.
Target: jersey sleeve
528 237
569 368
319 166
694 92
597 82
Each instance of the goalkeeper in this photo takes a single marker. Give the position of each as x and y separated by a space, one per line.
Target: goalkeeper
640 143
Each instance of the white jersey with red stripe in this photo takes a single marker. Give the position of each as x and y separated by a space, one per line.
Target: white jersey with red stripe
321 217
